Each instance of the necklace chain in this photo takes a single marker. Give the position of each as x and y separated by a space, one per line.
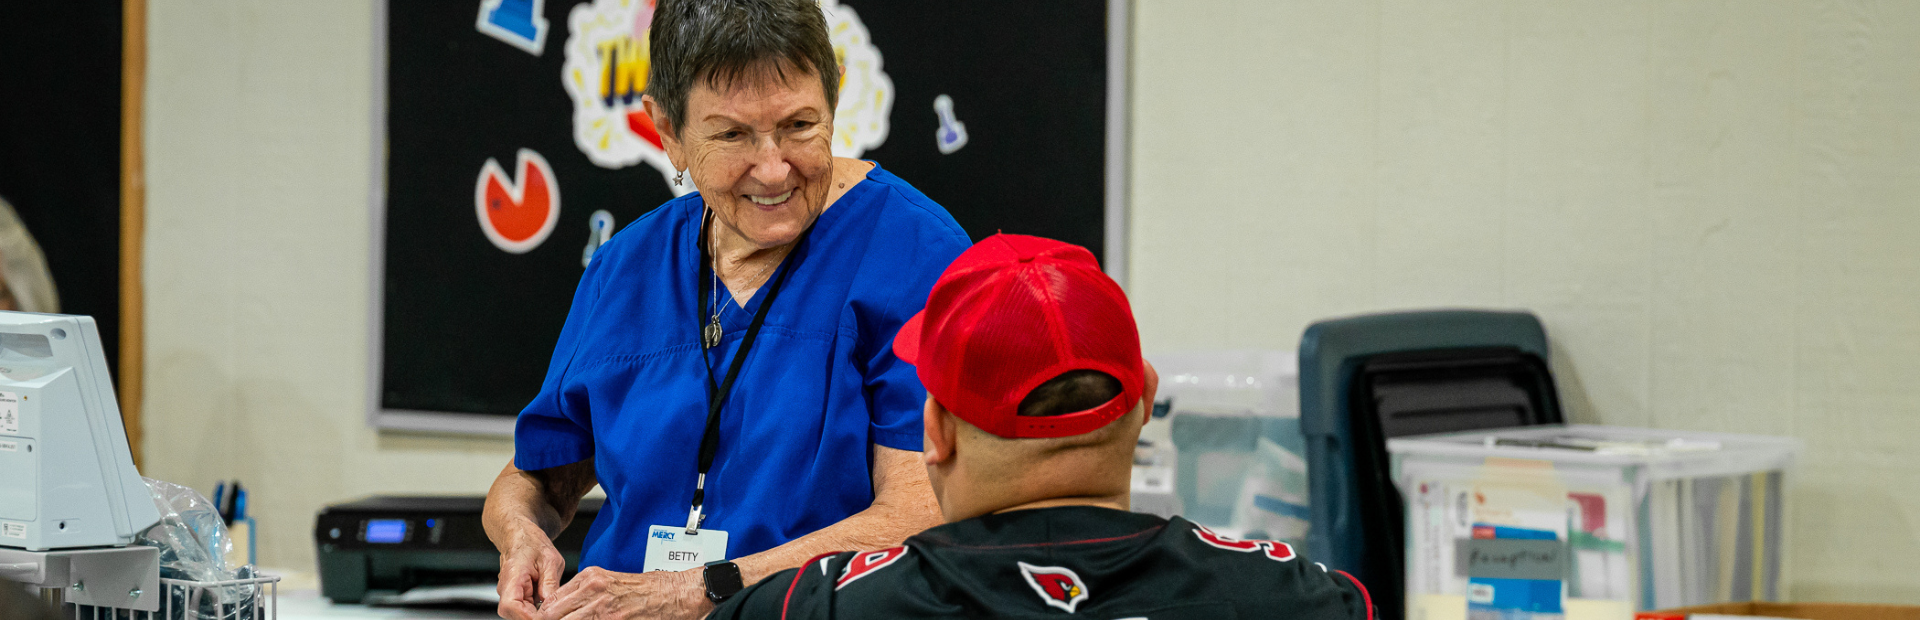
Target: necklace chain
719 308
710 336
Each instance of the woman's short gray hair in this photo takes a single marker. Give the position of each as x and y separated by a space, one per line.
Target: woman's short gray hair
22 267
723 41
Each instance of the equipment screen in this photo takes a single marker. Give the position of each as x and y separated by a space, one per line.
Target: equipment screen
386 530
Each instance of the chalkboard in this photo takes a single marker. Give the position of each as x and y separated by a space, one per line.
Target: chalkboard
509 148
60 70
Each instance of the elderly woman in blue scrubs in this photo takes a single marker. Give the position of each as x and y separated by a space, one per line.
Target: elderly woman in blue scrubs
724 372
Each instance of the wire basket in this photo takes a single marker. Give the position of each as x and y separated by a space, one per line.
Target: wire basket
254 598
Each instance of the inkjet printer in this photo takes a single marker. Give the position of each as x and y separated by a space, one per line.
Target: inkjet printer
387 545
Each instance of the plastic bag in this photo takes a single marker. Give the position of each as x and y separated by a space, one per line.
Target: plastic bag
193 543
191 537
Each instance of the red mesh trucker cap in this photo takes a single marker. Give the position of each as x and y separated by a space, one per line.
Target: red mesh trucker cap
1011 313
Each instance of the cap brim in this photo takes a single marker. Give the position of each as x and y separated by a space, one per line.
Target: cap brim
906 343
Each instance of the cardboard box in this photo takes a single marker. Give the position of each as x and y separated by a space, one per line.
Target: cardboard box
1807 611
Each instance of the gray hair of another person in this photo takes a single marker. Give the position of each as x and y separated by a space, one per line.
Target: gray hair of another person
724 41
23 266
17 604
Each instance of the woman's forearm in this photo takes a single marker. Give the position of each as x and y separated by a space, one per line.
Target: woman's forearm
545 499
903 505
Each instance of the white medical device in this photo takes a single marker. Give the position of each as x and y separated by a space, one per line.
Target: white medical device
71 503
69 480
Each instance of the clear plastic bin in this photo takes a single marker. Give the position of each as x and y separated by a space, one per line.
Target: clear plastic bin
1228 451
1644 518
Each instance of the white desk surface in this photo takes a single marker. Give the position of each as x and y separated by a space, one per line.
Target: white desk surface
307 604
300 599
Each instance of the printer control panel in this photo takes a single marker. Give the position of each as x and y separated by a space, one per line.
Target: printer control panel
423 524
417 531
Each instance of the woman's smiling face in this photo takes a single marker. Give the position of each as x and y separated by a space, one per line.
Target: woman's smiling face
760 152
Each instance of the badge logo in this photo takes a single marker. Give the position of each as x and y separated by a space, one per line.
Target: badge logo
606 69
1058 586
517 215
866 563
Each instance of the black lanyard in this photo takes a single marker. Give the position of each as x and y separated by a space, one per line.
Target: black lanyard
717 393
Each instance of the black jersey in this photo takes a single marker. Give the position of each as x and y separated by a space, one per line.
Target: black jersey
1081 560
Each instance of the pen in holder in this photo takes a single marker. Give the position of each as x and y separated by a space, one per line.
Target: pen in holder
240 525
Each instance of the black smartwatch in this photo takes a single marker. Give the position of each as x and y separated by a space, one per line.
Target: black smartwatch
723 580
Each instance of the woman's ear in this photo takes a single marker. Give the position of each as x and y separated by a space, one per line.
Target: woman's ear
938 441
669 134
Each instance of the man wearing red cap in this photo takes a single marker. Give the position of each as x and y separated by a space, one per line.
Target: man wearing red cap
1036 395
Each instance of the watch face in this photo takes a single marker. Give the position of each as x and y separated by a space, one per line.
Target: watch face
723 580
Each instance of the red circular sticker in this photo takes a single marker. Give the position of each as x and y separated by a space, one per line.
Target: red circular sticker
517 215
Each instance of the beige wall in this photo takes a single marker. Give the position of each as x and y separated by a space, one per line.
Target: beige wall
259 164
1712 207
1715 207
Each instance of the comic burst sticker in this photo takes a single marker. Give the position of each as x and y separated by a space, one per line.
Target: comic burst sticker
606 69
605 73
866 93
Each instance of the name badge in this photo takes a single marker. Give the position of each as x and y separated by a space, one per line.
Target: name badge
672 548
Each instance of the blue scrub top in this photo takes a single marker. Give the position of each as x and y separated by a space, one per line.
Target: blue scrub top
627 385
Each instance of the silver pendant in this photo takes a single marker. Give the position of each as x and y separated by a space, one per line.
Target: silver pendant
711 334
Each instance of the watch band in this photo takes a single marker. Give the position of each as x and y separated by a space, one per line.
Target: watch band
723 580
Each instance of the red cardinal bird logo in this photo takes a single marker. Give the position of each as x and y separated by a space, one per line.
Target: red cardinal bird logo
517 216
1058 586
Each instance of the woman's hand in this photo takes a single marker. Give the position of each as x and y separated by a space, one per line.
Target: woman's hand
524 511
600 593
530 570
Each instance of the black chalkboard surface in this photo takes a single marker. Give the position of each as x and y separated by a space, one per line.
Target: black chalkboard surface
60 148
477 263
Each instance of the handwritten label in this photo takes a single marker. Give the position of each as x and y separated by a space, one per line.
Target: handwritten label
1507 558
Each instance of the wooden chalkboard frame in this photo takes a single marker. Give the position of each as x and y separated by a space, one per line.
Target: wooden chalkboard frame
1115 225
133 222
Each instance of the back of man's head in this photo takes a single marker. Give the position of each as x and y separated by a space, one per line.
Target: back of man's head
994 473
1036 387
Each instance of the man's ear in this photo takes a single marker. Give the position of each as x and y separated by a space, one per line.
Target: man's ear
938 443
669 134
1152 390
